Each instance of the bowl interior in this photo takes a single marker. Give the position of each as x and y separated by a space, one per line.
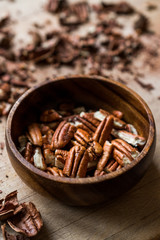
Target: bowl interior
91 92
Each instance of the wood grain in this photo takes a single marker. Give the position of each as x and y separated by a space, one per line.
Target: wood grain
135 215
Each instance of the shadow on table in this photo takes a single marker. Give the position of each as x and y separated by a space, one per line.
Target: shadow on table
127 210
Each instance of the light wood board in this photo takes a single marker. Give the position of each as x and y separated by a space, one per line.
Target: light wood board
133 216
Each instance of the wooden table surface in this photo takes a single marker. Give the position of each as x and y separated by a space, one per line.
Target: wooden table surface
133 216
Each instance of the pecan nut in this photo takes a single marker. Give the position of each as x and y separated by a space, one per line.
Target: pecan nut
47 138
86 124
49 156
103 130
50 116
118 114
76 163
90 118
29 152
121 158
97 148
134 140
94 150
35 135
107 151
111 166
61 155
82 137
126 148
117 122
55 171
62 135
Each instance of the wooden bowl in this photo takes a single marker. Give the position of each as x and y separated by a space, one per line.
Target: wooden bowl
94 92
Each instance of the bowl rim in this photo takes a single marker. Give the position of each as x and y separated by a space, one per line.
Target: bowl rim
87 180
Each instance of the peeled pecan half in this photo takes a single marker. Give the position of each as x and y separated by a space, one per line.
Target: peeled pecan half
76 163
88 125
8 205
28 221
121 157
35 134
94 150
103 130
133 139
117 122
62 135
90 118
126 148
82 137
111 166
107 150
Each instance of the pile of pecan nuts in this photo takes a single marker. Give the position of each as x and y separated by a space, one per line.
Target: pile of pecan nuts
71 142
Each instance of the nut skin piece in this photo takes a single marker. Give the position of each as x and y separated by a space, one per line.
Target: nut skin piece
76 163
35 134
103 130
28 221
7 236
62 135
49 116
107 151
8 206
